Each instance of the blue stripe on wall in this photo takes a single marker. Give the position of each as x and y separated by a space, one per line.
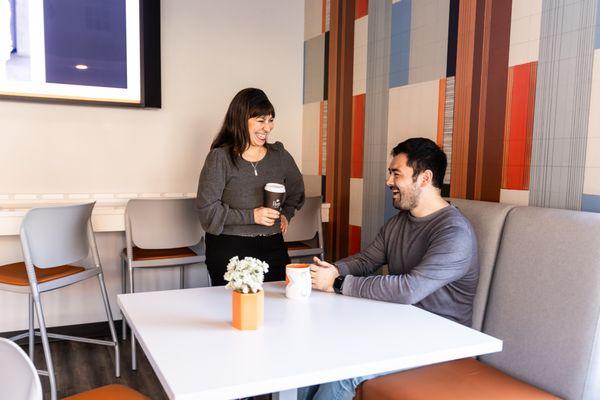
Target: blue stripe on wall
13 25
597 46
390 211
590 202
400 43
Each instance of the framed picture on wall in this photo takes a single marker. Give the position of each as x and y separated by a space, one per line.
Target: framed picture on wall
82 51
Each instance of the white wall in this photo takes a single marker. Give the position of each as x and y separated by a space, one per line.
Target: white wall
210 50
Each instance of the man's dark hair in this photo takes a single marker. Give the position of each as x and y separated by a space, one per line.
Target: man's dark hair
424 154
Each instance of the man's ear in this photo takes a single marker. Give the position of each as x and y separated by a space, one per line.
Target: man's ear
426 178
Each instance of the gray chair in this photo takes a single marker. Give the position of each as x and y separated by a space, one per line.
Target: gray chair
304 237
543 302
159 233
53 238
19 379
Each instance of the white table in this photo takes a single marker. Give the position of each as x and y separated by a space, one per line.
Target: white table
196 354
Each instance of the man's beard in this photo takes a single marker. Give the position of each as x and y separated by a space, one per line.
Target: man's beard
409 198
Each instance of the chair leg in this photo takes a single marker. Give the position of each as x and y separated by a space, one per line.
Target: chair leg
182 277
123 290
111 325
31 327
45 344
133 353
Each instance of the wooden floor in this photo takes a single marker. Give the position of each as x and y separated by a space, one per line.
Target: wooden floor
81 366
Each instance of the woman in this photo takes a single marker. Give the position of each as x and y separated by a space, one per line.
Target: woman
230 191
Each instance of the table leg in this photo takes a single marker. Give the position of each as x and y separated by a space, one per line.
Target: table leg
291 394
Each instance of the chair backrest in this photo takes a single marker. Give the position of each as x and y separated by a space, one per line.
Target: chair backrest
488 221
162 223
19 379
544 301
53 236
306 222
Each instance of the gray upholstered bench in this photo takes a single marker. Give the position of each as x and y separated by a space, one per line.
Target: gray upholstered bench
539 292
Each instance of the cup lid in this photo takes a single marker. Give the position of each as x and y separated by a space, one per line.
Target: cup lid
275 187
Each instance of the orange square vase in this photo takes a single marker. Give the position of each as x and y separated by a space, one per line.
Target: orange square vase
248 310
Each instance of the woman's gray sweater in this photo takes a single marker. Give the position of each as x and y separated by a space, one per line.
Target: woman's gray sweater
228 194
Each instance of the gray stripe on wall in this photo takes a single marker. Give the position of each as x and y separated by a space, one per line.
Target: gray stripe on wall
562 103
376 118
314 65
428 40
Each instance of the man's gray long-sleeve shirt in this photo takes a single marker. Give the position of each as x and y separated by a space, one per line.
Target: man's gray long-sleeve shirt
432 264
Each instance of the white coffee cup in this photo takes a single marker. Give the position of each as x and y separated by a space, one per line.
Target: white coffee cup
298 284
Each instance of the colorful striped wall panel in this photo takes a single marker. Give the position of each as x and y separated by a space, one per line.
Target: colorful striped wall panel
518 129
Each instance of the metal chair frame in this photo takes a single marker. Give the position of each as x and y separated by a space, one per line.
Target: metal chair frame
43 250
159 224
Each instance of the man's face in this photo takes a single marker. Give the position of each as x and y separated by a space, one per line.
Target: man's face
405 190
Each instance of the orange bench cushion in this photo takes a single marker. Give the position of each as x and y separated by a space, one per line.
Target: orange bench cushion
16 274
109 392
160 254
297 246
466 379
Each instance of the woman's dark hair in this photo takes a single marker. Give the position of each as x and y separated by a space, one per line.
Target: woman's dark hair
247 103
424 154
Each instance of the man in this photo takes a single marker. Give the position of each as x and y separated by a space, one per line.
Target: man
429 246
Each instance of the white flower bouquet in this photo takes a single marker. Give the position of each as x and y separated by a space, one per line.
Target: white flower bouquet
247 275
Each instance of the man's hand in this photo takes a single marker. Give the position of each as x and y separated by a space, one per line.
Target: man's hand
265 216
322 275
284 224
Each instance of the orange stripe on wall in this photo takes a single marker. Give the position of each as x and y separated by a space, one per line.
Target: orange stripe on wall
530 118
354 238
441 109
509 85
519 130
482 127
463 98
480 99
492 104
361 8
358 134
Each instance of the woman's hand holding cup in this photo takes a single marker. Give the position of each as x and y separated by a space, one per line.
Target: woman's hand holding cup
265 216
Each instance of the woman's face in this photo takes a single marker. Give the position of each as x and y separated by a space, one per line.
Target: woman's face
259 128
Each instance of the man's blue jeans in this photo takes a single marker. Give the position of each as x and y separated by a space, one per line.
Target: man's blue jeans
339 390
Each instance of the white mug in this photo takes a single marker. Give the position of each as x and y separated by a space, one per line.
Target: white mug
297 281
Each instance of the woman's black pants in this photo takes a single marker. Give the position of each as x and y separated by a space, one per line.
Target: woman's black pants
271 249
